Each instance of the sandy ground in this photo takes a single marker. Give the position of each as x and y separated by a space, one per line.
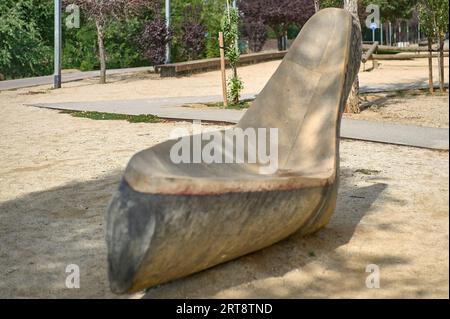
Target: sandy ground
255 77
414 108
407 109
58 172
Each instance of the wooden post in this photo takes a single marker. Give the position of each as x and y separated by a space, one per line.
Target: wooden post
222 68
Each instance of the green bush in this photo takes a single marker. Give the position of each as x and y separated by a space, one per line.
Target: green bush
22 50
120 43
80 46
26 38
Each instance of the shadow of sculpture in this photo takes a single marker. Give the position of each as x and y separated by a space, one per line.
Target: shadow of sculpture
43 232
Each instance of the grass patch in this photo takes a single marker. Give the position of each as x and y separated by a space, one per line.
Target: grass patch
379 51
414 92
244 104
100 116
405 93
311 254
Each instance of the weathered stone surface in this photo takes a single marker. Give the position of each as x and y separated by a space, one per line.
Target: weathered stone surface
168 221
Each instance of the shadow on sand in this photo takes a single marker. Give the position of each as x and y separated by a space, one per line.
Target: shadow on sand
43 232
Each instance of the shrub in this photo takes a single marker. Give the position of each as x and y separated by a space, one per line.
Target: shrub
22 49
193 32
256 34
153 40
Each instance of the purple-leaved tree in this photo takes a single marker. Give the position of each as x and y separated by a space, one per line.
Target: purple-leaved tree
278 14
193 32
256 33
153 40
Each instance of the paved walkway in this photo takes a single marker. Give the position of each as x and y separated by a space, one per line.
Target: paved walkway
67 77
171 108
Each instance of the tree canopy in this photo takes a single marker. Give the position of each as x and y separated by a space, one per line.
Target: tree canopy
278 14
24 47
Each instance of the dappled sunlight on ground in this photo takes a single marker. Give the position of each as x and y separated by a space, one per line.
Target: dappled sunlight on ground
58 172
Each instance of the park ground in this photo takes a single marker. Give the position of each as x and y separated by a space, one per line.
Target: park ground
57 174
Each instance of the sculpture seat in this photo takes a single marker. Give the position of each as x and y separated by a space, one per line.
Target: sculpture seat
153 172
169 220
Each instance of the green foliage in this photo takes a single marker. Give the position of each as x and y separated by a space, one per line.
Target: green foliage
230 21
433 16
212 14
210 17
427 26
100 116
293 31
243 104
235 87
23 52
80 45
394 10
120 42
26 37
230 31
331 3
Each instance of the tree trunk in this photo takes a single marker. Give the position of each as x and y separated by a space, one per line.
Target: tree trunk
352 105
101 51
390 33
280 42
407 31
430 65
441 63
395 33
317 5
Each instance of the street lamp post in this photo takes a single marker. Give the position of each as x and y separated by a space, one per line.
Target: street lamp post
168 27
57 57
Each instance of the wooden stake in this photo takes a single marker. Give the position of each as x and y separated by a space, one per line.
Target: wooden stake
222 68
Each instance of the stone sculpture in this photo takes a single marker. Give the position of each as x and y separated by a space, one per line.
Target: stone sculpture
170 220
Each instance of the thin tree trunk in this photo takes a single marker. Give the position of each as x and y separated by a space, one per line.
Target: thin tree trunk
352 105
390 33
441 64
235 75
407 31
430 65
101 51
395 31
317 5
280 43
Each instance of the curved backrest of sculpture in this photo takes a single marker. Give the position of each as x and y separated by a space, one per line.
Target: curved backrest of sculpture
305 96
